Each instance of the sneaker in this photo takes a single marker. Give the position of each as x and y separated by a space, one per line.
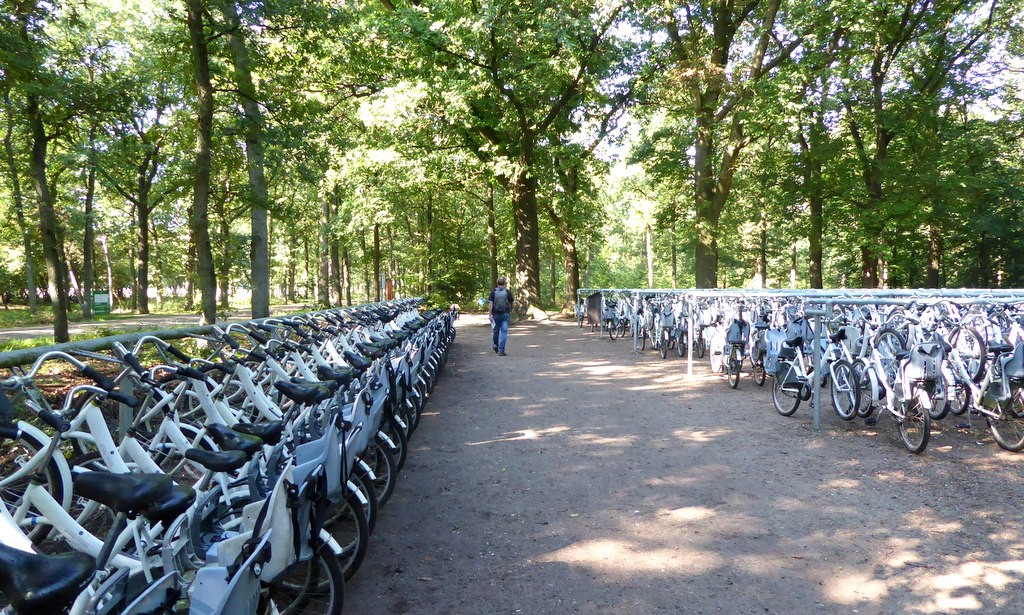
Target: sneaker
495 348
501 353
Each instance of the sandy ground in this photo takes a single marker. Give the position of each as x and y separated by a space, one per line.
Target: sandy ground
574 476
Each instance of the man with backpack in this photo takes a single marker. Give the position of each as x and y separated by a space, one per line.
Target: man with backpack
501 311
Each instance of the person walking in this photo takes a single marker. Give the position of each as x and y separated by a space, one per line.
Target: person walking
501 311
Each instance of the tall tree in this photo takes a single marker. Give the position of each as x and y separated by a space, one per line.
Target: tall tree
199 221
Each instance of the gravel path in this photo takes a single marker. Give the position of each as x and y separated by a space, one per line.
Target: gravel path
573 476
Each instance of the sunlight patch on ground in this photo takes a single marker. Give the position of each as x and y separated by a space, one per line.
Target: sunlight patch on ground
959 589
840 483
854 588
612 556
606 441
701 436
687 513
525 434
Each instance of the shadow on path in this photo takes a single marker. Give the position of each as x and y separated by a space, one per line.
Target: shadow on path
573 476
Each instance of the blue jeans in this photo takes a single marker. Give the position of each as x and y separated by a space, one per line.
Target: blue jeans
500 330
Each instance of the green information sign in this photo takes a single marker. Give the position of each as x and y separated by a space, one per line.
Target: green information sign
101 302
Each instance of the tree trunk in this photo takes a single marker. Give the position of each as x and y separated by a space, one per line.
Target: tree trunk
523 193
31 285
291 266
336 272
200 221
492 236
142 257
259 249
554 279
224 275
430 244
110 271
88 251
649 245
376 263
346 274
323 296
762 251
56 280
935 246
792 265
366 265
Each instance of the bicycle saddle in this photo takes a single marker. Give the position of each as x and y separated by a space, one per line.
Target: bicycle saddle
999 348
342 375
357 362
838 337
218 461
43 584
268 431
127 493
230 440
172 504
761 326
306 392
795 341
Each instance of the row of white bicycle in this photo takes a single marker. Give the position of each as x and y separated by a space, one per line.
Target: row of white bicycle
244 482
916 359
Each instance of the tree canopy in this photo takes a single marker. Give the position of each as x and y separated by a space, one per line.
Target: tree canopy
332 152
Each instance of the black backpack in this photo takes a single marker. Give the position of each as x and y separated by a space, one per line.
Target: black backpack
502 300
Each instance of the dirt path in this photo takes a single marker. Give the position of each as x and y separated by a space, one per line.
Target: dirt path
573 476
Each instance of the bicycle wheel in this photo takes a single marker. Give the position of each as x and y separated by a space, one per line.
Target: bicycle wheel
622 327
916 426
613 330
385 471
844 390
347 524
889 342
362 481
786 401
865 396
759 374
315 586
701 350
940 401
14 456
681 344
1007 426
663 344
643 339
971 347
735 364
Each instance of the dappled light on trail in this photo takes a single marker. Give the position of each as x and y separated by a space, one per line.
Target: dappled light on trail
619 557
575 476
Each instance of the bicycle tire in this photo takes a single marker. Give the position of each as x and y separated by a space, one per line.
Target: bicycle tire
1008 427
785 402
865 394
759 373
663 345
400 440
57 477
385 471
364 484
643 339
844 391
347 524
701 349
915 426
972 350
940 400
681 344
734 366
889 341
315 586
622 327
612 330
